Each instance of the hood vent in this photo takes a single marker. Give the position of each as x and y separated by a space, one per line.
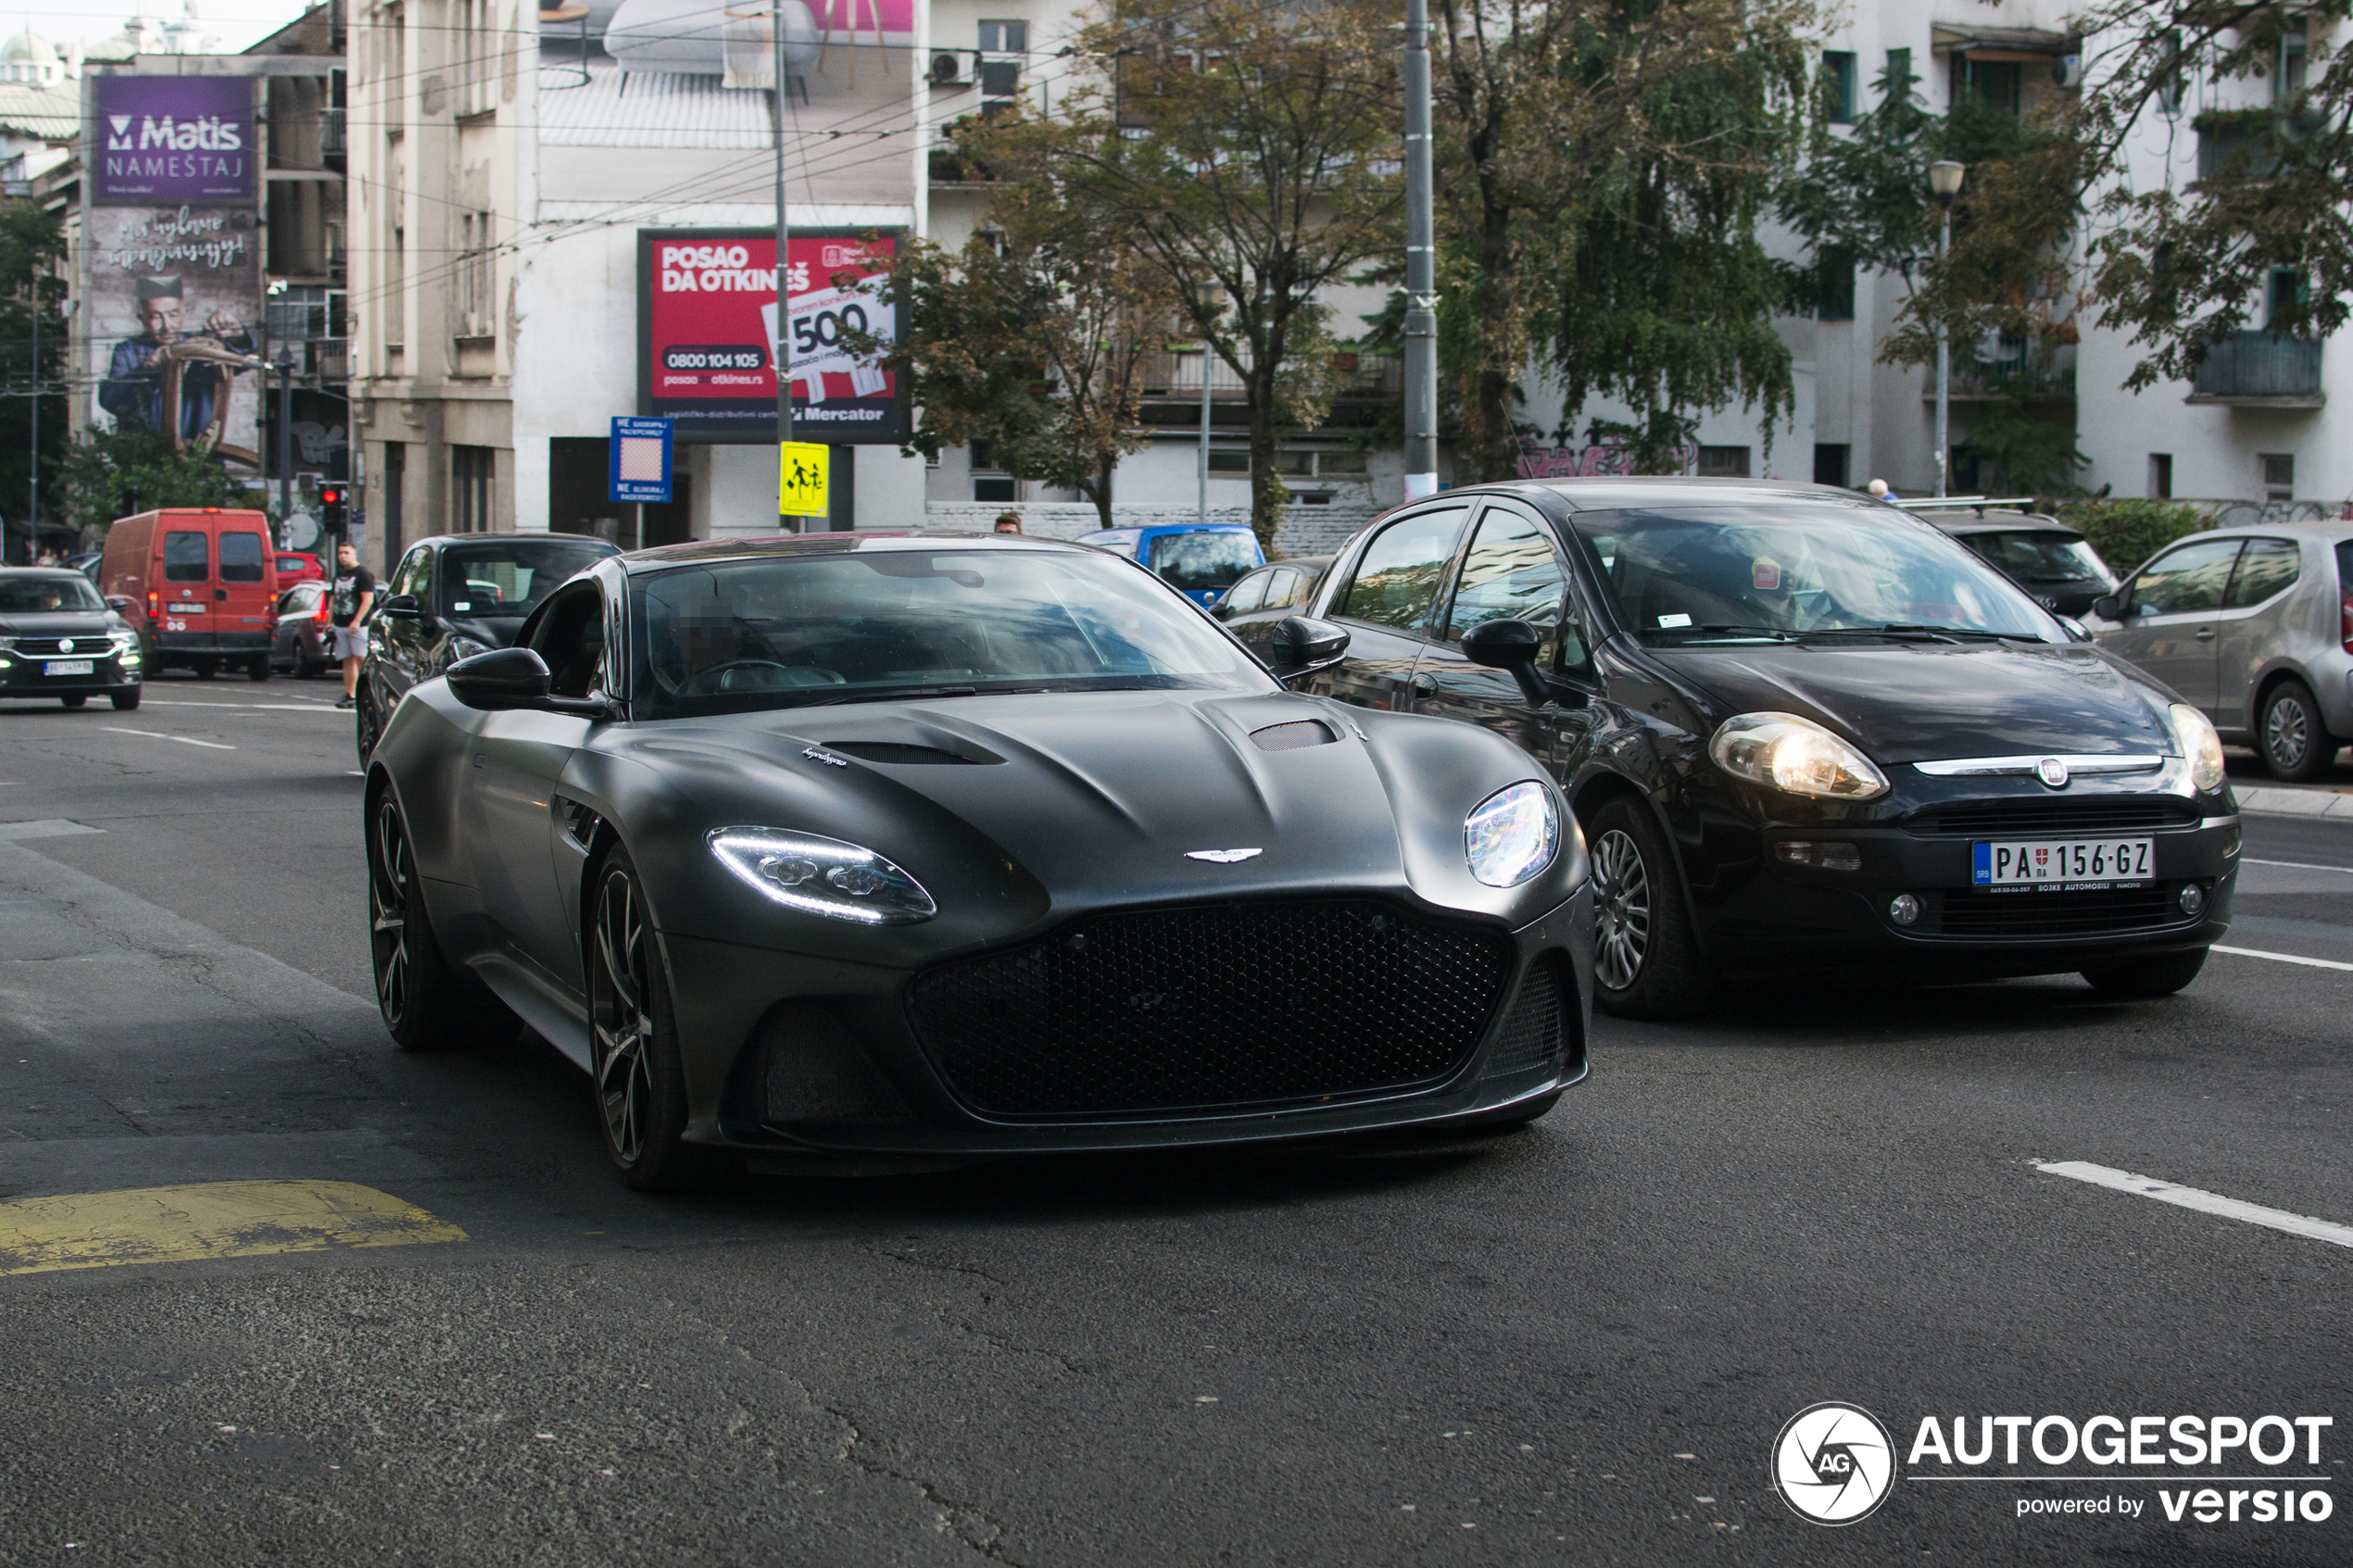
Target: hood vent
899 753
1293 736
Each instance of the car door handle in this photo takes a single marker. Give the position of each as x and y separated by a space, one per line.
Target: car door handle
221 592
2206 633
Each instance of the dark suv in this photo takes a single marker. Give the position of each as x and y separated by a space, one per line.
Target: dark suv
452 597
1801 730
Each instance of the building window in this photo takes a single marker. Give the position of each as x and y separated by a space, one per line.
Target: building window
1229 462
477 56
2175 82
2279 475
1723 463
2160 476
2283 289
477 276
1830 463
1996 83
2287 82
1004 38
471 468
1899 74
1836 281
1837 86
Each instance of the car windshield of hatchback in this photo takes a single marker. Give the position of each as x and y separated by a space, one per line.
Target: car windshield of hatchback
496 580
32 596
2036 557
870 626
1794 573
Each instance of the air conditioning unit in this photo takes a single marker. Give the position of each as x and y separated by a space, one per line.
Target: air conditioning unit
952 67
2067 71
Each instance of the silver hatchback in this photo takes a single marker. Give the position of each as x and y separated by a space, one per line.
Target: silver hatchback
2254 625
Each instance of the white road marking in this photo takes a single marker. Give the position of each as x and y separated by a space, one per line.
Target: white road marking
2299 865
46 827
2281 958
159 735
241 706
2194 1198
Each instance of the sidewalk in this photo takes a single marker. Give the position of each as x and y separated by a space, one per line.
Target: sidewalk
2294 801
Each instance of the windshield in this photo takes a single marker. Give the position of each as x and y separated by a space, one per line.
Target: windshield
1200 561
1793 571
508 579
2041 558
874 626
33 595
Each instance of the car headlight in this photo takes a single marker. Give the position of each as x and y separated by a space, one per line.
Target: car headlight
7 643
126 646
823 876
1784 751
1512 834
2199 743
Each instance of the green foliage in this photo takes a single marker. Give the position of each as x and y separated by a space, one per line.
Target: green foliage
2127 532
112 474
2020 452
31 245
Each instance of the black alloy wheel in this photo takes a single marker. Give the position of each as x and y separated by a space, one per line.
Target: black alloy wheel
641 1081
1647 962
424 1002
2140 979
367 729
2293 737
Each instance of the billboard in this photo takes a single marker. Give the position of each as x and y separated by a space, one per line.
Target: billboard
174 298
709 338
169 139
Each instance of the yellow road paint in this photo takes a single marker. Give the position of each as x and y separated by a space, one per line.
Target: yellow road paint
95 1230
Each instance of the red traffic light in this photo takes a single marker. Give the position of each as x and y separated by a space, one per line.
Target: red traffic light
330 495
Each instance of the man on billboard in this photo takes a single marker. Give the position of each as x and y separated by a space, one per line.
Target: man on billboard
161 368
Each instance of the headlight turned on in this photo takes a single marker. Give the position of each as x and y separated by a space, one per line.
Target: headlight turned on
823 876
2199 744
1785 752
1512 834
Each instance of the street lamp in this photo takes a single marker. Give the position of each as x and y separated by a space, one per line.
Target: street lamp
1210 296
1945 183
32 513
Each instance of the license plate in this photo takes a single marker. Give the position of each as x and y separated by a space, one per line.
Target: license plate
185 610
70 667
2111 862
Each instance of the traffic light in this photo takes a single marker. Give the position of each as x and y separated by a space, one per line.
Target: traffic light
335 508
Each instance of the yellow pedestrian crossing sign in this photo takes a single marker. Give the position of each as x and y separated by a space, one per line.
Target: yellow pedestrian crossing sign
800 478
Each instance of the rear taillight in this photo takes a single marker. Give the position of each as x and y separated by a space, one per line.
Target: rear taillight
152 603
2344 620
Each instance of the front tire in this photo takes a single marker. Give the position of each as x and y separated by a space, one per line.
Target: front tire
124 701
2142 979
1646 961
75 700
2293 735
640 1080
417 988
367 729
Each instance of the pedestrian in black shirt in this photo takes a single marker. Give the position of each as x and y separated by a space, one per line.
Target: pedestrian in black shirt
355 596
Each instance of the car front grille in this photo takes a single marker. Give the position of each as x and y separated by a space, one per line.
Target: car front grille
1535 1031
47 647
2000 818
1213 1009
2060 914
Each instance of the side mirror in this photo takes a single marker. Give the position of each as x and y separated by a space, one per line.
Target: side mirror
499 680
1510 646
119 604
403 606
1300 646
2108 608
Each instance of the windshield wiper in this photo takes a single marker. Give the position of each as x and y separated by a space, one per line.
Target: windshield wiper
1913 630
1720 628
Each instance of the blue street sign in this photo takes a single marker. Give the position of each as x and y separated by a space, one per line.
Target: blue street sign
640 468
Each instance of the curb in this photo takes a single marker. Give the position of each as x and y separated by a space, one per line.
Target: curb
2335 805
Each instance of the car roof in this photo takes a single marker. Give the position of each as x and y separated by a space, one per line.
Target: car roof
1304 563
1141 528
785 546
2000 523
2336 531
504 539
1614 491
60 573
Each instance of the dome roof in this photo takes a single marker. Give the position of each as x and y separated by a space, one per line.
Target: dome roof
30 46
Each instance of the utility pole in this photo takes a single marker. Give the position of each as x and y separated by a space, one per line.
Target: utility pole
285 436
32 507
1421 266
1208 355
1944 183
784 271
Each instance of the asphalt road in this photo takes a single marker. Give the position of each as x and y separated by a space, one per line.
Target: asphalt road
1576 1344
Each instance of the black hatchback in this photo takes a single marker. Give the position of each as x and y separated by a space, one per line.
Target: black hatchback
1801 730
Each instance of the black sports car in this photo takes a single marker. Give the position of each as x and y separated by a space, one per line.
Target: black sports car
1802 730
845 845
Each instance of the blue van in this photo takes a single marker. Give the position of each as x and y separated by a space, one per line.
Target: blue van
1203 560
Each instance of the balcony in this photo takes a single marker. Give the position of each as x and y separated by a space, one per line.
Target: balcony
2261 371
1172 388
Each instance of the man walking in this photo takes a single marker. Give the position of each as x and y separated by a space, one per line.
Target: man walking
355 596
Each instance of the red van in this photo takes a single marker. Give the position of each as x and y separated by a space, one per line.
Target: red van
202 586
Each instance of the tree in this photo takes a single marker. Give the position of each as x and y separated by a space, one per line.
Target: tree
112 474
31 246
1034 339
2182 269
1247 153
1570 131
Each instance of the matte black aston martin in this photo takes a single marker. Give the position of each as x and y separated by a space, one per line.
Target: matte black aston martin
1802 730
841 847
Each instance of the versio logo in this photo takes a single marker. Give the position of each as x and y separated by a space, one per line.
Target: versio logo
1834 1463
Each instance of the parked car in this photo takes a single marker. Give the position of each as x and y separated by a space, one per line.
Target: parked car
81 560
1202 561
1802 730
2050 561
1253 608
59 641
295 566
201 583
2255 627
302 642
452 597
844 846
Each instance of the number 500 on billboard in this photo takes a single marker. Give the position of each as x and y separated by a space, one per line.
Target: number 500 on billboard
708 335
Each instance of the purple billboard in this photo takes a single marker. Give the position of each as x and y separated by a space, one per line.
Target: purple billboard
172 139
